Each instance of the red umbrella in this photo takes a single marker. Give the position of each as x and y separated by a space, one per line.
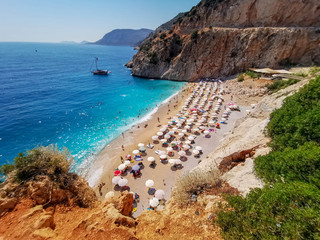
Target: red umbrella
117 173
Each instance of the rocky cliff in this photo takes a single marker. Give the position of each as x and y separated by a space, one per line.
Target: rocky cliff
222 37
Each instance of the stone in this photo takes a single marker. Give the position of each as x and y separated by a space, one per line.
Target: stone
45 220
7 204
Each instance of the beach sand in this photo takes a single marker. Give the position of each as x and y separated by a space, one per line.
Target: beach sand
163 175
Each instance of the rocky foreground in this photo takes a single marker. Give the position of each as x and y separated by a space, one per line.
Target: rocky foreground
221 38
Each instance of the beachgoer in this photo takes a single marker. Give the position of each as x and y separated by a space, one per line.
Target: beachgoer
158 119
122 148
121 159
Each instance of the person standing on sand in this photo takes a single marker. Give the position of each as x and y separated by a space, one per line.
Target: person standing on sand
158 119
122 148
121 159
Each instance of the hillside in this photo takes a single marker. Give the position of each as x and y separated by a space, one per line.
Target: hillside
124 37
221 38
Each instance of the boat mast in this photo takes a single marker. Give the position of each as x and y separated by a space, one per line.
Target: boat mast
96 63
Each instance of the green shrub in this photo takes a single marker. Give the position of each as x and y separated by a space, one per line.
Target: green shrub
252 74
284 211
301 164
298 120
314 71
163 36
48 161
153 58
240 78
301 74
194 35
281 84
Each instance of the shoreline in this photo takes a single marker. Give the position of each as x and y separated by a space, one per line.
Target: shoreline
98 168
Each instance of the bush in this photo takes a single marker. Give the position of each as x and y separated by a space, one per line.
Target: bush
153 58
194 35
298 120
240 78
194 182
301 164
163 36
314 71
252 74
48 161
284 211
281 84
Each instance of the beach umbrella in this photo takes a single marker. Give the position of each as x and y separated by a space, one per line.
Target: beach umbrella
170 133
167 136
187 142
206 132
127 162
187 127
116 179
163 157
171 161
128 156
190 138
186 147
154 202
165 126
182 153
142 149
151 159
169 149
202 127
159 133
178 161
163 140
174 129
181 134
123 182
198 148
154 138
149 183
122 167
162 130
136 168
140 145
135 152
117 172
109 195
159 194
195 152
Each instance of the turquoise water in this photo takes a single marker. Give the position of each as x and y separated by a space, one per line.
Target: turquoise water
48 96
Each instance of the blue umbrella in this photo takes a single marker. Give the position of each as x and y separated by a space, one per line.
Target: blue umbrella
136 168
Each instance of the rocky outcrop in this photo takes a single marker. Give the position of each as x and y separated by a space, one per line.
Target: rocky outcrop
221 38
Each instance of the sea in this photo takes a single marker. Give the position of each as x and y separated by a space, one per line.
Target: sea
48 95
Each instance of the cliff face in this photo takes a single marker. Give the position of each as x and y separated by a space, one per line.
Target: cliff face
220 38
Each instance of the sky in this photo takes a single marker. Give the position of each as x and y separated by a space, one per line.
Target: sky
78 20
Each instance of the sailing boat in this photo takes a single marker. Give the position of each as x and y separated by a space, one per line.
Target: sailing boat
99 71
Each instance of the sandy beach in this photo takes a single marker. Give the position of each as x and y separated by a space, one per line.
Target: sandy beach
163 175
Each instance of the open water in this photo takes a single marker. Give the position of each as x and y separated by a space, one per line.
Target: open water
49 96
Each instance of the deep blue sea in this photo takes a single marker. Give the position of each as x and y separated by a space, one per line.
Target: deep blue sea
49 96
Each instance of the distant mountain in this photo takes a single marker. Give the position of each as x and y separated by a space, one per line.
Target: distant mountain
124 37
84 42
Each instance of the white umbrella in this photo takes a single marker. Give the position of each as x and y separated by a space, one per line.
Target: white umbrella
149 183
116 179
187 142
167 136
206 132
169 149
109 195
127 162
195 152
122 167
151 159
123 182
140 145
202 127
154 138
135 152
186 147
198 148
182 153
178 161
163 140
191 138
172 161
181 134
159 133
163 129
154 202
159 194
162 157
